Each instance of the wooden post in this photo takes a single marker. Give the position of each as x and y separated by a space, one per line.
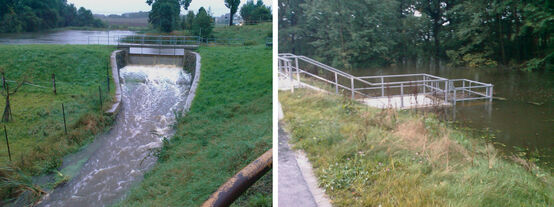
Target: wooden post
64 123
8 143
54 82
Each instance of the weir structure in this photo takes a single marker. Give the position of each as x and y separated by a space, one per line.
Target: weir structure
383 91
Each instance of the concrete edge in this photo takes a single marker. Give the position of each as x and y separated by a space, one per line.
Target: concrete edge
115 75
194 85
306 169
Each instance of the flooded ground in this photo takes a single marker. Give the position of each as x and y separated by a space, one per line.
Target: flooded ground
106 169
73 37
522 119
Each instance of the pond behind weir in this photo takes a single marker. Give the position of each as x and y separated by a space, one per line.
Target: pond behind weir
107 168
520 119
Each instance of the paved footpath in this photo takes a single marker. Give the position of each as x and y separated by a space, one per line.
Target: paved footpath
293 189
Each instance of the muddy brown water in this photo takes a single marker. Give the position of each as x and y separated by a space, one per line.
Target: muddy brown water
523 120
105 170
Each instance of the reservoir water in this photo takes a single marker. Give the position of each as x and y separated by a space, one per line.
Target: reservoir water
521 120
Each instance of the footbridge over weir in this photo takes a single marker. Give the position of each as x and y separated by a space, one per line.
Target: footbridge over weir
384 91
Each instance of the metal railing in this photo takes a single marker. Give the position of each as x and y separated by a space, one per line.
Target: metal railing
292 67
144 39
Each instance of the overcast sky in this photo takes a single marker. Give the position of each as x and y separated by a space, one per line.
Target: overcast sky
124 6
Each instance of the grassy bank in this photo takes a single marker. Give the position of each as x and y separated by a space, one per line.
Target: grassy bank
364 156
227 127
36 133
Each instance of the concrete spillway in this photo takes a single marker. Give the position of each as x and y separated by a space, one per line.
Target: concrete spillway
151 95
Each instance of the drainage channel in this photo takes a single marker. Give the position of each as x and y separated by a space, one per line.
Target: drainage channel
108 167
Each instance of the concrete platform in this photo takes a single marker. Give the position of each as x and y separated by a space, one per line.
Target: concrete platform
410 101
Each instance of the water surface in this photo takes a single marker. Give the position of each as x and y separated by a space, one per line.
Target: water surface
151 95
73 37
523 121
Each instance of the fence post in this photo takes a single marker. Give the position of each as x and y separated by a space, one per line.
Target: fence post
454 98
100 97
108 75
401 95
336 83
352 85
64 123
54 82
8 143
463 88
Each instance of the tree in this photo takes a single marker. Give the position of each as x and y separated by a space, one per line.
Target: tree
164 14
252 13
233 5
186 4
188 20
202 25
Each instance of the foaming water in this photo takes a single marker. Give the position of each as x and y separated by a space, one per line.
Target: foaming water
116 160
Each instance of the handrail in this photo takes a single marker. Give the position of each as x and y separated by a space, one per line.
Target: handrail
435 84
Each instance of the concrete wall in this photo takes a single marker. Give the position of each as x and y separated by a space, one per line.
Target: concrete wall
142 59
121 58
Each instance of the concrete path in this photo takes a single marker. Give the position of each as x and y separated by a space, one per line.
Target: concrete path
297 184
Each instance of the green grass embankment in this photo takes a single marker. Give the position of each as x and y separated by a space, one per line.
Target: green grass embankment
36 133
364 156
227 127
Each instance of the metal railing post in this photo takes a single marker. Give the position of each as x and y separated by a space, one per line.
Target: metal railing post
352 84
382 86
297 70
289 66
336 83
424 84
490 93
454 98
464 88
401 95
446 91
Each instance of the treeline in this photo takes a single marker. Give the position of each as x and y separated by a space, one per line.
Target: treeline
365 33
255 13
201 24
36 15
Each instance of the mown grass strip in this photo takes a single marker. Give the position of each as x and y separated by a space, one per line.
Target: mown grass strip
364 156
227 127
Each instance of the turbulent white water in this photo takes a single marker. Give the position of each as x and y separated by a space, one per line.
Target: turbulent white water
151 95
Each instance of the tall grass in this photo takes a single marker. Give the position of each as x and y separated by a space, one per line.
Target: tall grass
371 157
36 133
227 127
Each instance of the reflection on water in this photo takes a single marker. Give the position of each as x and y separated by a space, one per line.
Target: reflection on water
65 37
113 162
525 119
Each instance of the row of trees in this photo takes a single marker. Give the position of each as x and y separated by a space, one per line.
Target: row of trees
165 15
200 24
36 15
254 13
362 33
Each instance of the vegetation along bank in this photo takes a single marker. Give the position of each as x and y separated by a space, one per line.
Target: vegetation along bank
365 156
227 127
36 131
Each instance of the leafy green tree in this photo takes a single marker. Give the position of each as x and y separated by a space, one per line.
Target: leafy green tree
252 13
188 20
203 24
186 4
233 6
164 14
